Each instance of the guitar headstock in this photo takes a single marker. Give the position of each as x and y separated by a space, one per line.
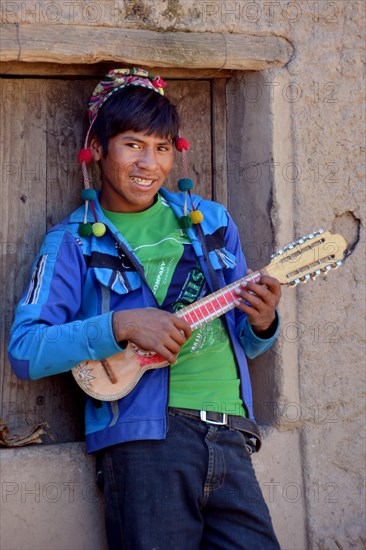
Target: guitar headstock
305 259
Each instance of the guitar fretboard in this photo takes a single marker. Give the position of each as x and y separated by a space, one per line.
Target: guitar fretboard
214 305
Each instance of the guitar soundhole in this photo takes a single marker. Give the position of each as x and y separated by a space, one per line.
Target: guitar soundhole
142 352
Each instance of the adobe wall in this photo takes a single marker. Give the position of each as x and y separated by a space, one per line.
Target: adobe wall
311 171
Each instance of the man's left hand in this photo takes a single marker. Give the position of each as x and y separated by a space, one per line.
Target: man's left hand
259 302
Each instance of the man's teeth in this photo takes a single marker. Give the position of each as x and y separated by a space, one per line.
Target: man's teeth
141 181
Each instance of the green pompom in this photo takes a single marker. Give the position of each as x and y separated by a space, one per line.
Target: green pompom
85 229
185 184
185 222
88 195
98 229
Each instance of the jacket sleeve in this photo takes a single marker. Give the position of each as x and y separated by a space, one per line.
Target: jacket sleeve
48 336
252 344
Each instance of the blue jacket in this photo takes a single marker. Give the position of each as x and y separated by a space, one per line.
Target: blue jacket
65 315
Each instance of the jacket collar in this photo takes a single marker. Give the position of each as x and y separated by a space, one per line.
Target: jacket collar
175 201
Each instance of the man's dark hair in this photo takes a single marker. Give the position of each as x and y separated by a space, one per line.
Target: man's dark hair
138 109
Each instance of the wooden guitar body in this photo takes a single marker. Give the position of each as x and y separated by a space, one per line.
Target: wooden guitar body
127 367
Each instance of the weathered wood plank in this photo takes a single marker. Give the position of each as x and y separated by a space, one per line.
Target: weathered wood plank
98 70
38 187
37 42
23 206
66 128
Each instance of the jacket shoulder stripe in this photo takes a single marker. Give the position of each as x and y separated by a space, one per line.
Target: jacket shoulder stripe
36 281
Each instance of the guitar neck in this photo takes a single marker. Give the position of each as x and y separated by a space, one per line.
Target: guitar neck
214 305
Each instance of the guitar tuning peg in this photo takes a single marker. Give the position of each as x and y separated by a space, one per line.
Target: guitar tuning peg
319 232
316 274
295 282
273 256
280 251
337 264
326 269
300 241
310 236
304 279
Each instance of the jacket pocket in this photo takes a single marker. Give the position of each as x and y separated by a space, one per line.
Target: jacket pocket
117 281
221 258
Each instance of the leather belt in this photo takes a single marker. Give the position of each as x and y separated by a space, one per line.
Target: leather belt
239 423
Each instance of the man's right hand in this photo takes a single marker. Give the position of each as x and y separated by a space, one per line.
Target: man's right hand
152 330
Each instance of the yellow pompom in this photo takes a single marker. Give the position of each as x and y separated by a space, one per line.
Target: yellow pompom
196 216
98 229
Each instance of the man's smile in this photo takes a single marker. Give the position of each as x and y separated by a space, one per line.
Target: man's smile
142 181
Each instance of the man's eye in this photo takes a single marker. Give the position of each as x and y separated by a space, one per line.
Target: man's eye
133 145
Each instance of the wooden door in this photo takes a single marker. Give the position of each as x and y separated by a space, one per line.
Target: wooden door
42 126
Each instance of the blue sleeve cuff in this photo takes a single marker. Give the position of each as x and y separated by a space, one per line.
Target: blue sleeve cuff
253 344
104 343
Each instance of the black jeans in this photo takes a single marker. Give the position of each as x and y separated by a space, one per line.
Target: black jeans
194 490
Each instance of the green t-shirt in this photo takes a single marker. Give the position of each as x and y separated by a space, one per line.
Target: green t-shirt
205 376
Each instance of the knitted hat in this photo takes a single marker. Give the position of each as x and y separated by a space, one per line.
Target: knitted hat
114 81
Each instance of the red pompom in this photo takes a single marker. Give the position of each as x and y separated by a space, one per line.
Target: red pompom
84 155
181 143
158 82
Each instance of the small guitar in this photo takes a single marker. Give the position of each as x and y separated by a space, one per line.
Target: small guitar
114 377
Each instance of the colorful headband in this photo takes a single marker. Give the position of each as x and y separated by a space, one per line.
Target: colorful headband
114 81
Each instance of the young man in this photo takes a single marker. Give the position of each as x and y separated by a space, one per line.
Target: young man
174 453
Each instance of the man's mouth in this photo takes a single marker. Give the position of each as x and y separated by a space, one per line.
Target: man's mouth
142 181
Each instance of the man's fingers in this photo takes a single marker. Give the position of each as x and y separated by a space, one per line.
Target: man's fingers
184 327
268 289
271 283
170 349
167 354
248 298
172 345
174 338
254 293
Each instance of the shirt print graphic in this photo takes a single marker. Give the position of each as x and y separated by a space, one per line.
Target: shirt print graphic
160 260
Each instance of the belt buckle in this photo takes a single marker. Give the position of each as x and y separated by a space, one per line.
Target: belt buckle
203 416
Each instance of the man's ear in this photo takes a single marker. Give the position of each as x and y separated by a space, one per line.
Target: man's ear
96 149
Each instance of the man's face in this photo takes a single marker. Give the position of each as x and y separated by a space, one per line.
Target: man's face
135 168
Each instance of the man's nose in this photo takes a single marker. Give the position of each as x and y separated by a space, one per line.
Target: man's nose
148 159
